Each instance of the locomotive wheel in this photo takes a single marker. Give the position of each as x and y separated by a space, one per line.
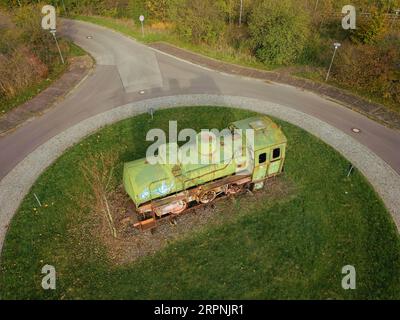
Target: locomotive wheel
179 209
207 196
234 189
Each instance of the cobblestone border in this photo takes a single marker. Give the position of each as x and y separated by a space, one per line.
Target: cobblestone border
18 182
372 110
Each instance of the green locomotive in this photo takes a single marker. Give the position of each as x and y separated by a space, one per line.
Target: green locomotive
164 189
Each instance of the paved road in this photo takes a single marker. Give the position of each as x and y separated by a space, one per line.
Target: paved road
126 67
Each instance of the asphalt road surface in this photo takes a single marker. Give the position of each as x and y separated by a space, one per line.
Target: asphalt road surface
125 67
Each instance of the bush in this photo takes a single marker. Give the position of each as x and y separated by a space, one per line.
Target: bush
237 37
27 52
28 21
370 30
316 51
200 21
135 9
374 69
278 30
157 9
18 70
109 8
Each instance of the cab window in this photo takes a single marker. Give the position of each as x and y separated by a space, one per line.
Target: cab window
276 153
262 158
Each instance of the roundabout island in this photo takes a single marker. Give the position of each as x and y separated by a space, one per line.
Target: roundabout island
148 162
289 240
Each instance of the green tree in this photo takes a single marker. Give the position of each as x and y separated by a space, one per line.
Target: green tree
279 31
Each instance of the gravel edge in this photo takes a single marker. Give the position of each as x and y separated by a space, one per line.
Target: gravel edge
17 183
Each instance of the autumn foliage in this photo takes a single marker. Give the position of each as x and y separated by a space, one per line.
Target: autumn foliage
27 53
278 33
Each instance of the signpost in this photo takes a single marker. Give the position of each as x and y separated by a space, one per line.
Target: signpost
53 32
141 18
49 23
336 45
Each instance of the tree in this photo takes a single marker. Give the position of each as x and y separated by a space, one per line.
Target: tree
279 31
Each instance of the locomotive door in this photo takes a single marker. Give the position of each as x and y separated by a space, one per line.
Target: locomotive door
275 163
260 168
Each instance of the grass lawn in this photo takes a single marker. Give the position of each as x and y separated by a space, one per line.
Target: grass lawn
55 73
290 246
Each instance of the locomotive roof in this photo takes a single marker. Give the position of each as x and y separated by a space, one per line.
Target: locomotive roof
266 132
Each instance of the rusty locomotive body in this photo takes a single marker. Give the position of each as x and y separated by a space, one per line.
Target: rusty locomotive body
241 157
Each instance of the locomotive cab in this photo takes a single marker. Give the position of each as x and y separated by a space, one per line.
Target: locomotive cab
268 147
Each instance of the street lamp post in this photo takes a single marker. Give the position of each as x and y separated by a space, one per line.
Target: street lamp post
336 45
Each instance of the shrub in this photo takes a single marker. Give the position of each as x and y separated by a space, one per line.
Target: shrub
200 21
109 8
28 20
374 69
237 37
157 9
27 52
370 30
19 69
278 30
316 51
